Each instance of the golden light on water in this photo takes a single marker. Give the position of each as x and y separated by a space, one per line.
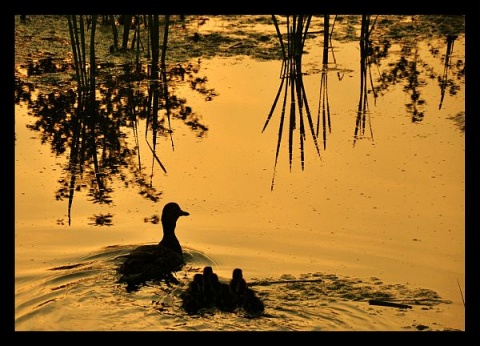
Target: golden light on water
389 207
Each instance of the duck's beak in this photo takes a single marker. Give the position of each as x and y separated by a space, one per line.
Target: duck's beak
184 213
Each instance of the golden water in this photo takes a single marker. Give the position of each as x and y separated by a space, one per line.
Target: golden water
387 212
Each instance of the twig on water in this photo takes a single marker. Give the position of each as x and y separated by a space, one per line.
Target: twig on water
266 283
461 293
389 304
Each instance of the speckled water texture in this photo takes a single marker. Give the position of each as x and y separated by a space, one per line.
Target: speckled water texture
375 216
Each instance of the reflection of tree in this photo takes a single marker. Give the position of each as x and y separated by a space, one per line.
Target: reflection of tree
410 69
294 91
444 81
96 153
91 121
407 68
23 90
414 82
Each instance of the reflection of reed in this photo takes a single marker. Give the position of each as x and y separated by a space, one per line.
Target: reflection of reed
323 104
446 67
84 121
294 91
158 86
327 20
324 107
363 114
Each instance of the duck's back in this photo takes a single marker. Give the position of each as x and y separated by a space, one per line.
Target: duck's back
149 262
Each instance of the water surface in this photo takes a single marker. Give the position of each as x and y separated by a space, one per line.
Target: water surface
376 215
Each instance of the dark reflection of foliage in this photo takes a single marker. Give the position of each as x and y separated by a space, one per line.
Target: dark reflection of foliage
60 124
444 81
412 71
421 27
155 219
23 90
459 120
408 71
46 65
101 220
294 91
366 53
198 84
56 113
123 89
231 42
93 129
414 82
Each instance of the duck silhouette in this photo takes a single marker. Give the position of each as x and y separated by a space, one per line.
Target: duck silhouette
155 262
243 296
238 286
192 298
210 285
224 300
251 304
206 291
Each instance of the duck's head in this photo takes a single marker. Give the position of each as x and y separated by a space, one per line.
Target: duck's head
237 274
171 212
207 271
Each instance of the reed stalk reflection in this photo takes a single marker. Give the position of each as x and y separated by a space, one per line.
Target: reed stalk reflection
294 91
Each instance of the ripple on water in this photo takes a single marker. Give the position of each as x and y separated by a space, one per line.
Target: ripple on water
84 295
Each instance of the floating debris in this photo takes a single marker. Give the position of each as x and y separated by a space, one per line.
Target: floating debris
390 304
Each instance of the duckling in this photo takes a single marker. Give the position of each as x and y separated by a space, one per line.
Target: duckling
238 286
156 262
210 283
224 301
192 298
251 304
243 296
